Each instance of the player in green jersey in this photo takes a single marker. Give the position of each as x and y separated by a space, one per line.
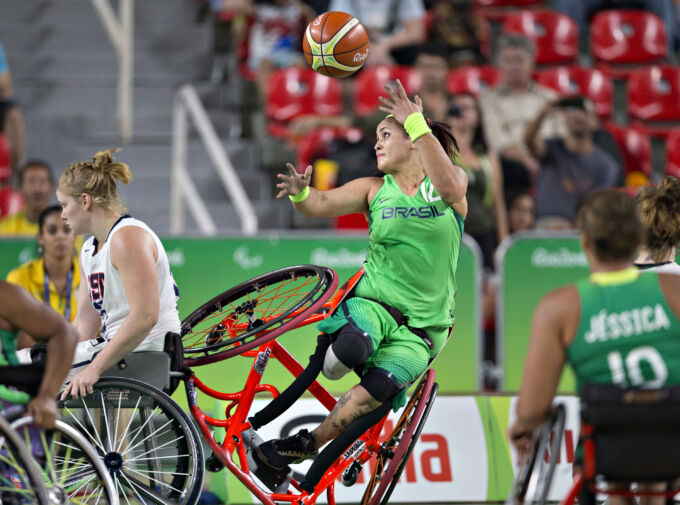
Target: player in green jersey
401 311
19 311
620 326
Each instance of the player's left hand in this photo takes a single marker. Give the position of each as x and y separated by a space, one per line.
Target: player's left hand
398 103
81 384
522 440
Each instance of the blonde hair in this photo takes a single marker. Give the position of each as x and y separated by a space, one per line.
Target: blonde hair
660 212
97 178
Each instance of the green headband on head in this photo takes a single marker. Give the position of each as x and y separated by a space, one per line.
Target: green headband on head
389 116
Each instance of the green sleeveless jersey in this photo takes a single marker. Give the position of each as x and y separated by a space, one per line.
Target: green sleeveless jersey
414 243
627 334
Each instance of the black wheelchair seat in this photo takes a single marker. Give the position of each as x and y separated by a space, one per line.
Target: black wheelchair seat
633 434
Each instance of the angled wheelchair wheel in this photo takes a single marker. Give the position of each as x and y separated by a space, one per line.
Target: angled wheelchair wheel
255 312
20 479
397 448
533 481
72 470
146 441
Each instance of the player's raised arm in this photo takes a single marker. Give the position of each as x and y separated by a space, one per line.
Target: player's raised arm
351 198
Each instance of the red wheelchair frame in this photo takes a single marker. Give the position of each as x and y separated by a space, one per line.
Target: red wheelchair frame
390 452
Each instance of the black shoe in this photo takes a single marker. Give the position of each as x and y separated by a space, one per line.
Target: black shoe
279 453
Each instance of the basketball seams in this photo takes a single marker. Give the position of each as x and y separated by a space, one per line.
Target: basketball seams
344 30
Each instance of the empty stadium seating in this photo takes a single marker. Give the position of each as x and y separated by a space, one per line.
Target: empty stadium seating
496 10
622 40
654 98
555 35
472 79
673 153
293 92
370 84
589 82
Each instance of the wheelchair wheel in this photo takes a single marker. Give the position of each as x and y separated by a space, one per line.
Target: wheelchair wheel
146 441
532 484
255 312
71 468
20 479
395 451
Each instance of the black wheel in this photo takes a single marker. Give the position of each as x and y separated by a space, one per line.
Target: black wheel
146 441
533 481
255 312
20 479
395 451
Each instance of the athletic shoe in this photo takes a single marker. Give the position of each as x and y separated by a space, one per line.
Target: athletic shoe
279 453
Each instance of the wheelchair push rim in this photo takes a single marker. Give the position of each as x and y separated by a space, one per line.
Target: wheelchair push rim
396 449
254 312
20 479
534 479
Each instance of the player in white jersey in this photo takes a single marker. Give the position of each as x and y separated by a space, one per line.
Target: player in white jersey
127 290
660 215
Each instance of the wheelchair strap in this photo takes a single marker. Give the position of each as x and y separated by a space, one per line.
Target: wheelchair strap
402 320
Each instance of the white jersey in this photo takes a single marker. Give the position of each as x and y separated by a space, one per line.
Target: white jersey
670 267
108 295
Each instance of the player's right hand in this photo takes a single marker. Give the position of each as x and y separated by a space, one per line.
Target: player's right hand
44 411
295 182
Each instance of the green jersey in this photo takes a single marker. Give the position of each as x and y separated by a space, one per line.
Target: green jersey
414 242
627 334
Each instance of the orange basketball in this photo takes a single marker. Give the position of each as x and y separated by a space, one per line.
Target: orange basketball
335 44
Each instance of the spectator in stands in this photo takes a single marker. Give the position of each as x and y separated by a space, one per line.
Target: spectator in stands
54 277
276 29
581 11
11 118
432 66
487 218
457 26
509 107
36 188
394 27
521 211
571 166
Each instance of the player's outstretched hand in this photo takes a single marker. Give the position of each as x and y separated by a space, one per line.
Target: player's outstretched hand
295 182
398 103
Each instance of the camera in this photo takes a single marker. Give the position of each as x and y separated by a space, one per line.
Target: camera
454 111
576 102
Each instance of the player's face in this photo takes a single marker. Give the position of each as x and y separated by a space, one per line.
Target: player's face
57 238
73 212
392 146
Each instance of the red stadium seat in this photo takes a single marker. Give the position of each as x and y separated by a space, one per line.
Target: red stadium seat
370 84
293 92
654 98
673 153
350 222
472 79
496 10
591 83
621 40
636 149
317 143
555 35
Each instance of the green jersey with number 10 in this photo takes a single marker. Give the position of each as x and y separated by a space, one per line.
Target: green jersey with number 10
627 334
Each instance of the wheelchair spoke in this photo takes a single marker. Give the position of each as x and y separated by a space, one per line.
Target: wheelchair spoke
92 439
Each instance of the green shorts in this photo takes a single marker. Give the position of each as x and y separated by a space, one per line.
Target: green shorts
394 348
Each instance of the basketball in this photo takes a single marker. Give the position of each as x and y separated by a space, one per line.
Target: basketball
335 44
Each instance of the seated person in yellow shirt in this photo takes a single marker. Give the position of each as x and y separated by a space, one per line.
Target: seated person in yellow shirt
54 278
36 187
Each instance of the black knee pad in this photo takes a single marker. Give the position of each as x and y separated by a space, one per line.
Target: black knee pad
380 384
349 350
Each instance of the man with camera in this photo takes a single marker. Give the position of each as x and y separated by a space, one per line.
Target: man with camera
571 166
